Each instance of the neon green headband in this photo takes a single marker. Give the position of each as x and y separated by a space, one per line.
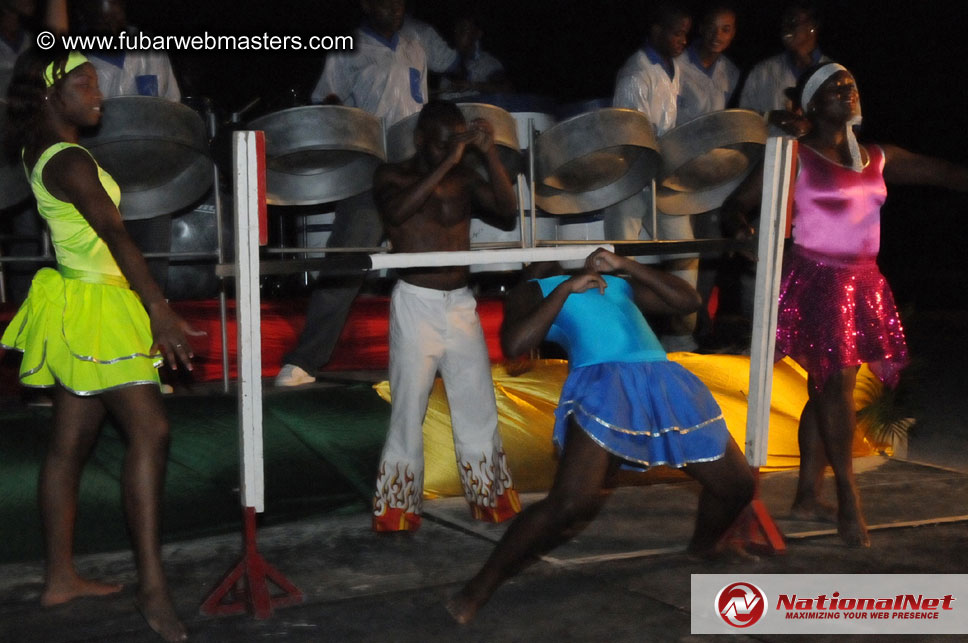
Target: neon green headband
74 60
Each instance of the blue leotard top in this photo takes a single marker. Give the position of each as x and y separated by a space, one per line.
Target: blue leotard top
595 328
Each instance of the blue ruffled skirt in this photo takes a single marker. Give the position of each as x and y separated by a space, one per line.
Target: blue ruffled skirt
647 413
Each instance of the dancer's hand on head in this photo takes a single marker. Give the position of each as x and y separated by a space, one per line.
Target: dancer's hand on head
586 281
483 134
171 333
457 144
602 260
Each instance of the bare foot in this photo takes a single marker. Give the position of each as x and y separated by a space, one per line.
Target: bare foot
462 607
853 532
59 592
161 617
814 510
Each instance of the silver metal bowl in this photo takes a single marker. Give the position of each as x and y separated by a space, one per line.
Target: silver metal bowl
320 153
594 160
705 160
156 150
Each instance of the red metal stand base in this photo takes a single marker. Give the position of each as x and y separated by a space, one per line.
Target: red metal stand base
756 529
245 587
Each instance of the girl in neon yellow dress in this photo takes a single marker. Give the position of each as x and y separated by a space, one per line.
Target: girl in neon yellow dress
95 329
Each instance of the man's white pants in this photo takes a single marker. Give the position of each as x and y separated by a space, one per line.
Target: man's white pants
430 330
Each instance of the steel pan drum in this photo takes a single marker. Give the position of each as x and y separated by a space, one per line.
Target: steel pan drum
13 181
594 160
196 231
320 153
156 150
704 160
400 136
524 107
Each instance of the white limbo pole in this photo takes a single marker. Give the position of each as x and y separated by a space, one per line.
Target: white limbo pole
384 261
777 181
761 532
246 587
248 313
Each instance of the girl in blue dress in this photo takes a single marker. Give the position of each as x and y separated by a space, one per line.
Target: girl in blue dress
623 405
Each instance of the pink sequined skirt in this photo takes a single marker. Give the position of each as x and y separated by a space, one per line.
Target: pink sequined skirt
837 312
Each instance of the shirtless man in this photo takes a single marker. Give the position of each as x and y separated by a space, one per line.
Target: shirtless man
426 204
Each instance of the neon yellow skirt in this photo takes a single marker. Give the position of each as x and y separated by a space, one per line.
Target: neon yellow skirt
88 337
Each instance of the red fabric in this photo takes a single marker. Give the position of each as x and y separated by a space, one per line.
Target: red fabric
508 506
362 344
395 519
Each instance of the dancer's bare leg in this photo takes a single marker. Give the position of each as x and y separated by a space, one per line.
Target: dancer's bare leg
808 504
727 487
837 419
577 494
76 424
141 415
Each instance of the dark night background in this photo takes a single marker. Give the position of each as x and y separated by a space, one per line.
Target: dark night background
909 59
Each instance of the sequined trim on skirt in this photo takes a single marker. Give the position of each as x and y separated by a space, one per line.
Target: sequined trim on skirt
647 413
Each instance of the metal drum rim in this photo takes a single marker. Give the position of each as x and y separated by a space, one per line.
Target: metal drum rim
683 130
675 203
548 198
192 176
351 129
93 143
312 108
486 107
553 136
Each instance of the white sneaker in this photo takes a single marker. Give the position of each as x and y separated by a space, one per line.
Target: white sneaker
292 375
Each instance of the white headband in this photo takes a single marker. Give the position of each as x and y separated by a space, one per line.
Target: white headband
819 77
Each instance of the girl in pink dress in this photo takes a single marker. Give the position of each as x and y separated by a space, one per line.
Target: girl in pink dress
836 310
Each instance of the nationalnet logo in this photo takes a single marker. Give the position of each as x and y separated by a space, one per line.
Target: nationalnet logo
741 604
863 607
830 603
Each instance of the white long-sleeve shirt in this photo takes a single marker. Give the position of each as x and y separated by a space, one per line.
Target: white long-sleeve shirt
135 73
387 78
440 55
703 90
765 85
644 84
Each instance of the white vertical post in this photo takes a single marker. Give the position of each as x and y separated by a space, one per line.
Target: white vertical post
777 178
247 160
532 180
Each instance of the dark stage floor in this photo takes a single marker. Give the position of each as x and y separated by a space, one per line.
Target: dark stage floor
622 579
